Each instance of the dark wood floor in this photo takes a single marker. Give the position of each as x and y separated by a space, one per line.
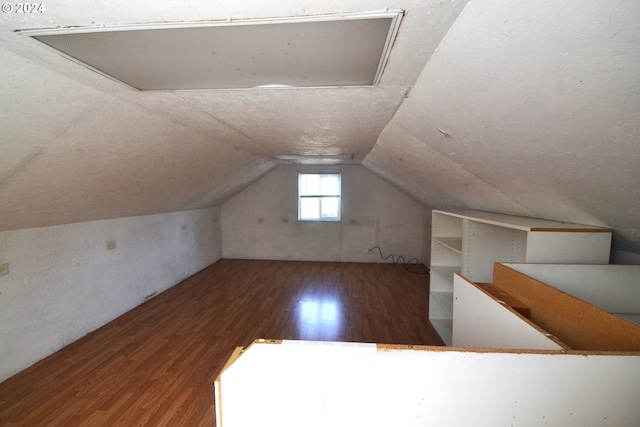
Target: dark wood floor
156 364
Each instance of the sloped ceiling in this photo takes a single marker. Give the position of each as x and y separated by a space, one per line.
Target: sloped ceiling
78 146
530 108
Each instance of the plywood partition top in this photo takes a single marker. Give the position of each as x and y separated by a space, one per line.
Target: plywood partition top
575 322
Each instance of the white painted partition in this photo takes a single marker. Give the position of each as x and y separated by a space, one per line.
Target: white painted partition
482 321
335 384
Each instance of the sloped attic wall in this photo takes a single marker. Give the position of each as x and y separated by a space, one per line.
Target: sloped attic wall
66 280
530 108
73 153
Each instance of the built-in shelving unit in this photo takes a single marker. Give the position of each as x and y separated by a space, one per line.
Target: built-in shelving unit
469 242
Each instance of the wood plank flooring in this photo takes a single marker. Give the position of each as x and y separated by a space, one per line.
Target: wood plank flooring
156 364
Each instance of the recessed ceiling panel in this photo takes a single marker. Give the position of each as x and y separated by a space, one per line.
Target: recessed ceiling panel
337 50
326 159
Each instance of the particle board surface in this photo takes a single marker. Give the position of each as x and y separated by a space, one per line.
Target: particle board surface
507 299
575 322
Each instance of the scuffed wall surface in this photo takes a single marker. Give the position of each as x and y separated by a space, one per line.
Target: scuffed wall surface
64 282
262 221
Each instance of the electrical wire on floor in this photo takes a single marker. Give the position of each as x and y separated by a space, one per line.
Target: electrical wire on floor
412 266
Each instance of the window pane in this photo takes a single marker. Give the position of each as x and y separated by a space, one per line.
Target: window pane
309 208
319 185
319 197
309 185
329 185
330 207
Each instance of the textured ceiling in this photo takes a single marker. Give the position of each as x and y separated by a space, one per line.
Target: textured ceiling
77 146
512 106
530 108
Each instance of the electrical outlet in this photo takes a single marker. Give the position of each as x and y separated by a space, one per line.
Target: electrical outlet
4 269
111 244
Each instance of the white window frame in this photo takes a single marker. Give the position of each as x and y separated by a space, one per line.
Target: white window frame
320 197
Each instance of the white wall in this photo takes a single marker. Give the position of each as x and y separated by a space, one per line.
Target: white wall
350 384
63 282
262 221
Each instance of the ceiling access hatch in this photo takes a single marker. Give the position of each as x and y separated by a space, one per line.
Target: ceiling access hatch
315 51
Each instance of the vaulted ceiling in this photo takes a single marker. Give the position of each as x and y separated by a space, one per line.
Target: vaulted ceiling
521 107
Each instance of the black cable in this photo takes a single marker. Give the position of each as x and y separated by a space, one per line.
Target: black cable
408 265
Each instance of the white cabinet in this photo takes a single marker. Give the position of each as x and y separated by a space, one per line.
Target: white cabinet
469 242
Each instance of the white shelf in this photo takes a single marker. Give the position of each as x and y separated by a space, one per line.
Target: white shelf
453 243
439 283
446 225
445 300
446 272
437 311
444 327
521 222
470 242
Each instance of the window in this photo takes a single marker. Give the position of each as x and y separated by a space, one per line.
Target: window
319 197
